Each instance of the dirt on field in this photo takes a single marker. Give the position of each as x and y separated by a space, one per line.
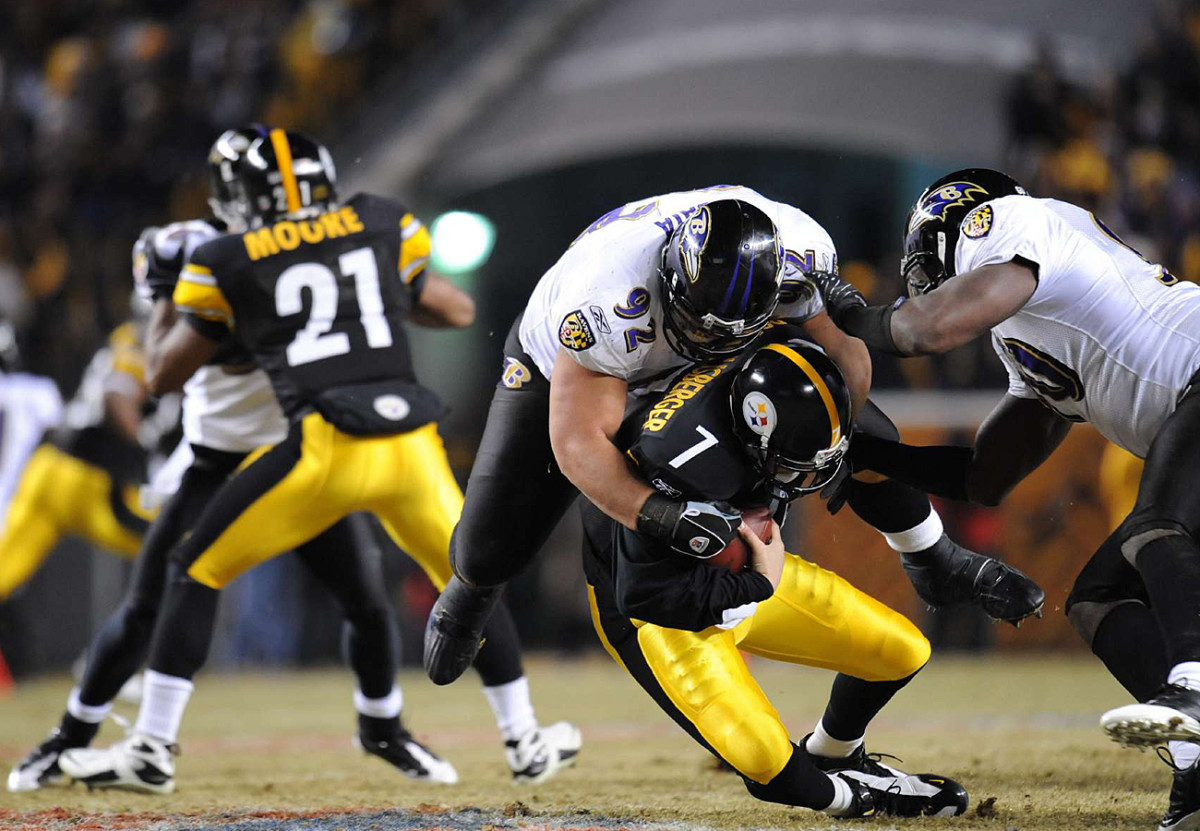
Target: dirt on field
269 752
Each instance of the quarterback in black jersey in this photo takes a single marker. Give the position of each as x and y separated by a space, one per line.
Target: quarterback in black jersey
756 431
317 291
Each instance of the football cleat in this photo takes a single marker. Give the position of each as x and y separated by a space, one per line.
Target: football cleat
1173 714
1183 810
891 790
409 756
40 767
542 752
138 763
947 574
454 631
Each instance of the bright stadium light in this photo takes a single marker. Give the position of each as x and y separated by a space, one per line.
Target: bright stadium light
462 241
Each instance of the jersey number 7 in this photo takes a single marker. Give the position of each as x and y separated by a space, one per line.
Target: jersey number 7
314 342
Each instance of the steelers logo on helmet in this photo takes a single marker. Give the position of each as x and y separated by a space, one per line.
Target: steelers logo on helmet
694 240
759 412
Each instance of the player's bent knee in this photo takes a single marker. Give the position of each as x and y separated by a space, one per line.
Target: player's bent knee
757 745
1144 527
1085 616
480 560
905 653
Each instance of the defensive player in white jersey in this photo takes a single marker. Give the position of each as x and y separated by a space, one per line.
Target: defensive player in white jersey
646 290
230 410
1088 330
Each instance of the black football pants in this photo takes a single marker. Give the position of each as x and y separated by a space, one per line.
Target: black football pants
516 493
346 559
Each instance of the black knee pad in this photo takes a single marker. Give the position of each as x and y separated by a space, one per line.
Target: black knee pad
484 566
1144 527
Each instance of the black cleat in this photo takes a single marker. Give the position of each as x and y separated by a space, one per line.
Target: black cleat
1183 811
40 767
892 791
409 756
947 574
454 631
1173 714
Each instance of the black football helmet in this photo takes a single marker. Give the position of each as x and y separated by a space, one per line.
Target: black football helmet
931 230
721 270
223 158
283 175
791 410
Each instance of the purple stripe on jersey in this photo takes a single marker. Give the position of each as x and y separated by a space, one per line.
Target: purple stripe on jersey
732 282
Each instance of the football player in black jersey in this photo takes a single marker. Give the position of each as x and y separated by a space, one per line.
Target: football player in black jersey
318 292
751 432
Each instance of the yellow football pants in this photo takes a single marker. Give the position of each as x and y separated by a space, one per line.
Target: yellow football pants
287 494
60 495
815 618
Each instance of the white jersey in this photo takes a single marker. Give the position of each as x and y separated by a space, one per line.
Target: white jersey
29 406
1107 337
601 301
235 413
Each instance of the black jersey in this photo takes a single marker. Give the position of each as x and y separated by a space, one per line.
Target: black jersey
684 444
321 305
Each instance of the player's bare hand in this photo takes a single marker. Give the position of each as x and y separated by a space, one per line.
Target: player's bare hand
765 557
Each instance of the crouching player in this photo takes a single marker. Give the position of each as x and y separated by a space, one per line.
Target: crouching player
757 432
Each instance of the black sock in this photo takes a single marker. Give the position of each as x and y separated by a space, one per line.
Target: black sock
1130 643
1170 568
799 783
77 733
499 659
853 702
379 729
888 506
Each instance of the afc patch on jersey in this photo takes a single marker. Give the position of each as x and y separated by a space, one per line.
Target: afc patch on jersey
978 223
575 333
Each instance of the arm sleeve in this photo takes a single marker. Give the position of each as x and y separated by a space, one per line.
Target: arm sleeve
669 590
198 294
416 246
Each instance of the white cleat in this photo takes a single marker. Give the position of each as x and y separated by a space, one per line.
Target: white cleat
40 767
542 752
1173 714
139 763
410 757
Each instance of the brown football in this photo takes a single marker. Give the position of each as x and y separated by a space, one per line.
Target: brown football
736 555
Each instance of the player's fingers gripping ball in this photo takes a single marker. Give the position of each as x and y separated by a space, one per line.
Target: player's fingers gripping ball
736 555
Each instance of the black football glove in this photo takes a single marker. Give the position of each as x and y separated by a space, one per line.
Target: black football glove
837 489
698 529
839 296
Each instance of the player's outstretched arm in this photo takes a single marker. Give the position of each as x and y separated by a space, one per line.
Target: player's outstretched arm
956 312
586 409
1018 435
442 305
848 352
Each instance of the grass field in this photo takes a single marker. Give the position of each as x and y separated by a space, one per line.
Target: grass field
273 751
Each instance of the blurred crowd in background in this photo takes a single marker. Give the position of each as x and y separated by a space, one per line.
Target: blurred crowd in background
108 108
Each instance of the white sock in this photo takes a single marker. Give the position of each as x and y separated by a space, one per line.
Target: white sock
842 797
85 712
386 707
919 537
164 699
1186 674
821 743
514 711
1184 753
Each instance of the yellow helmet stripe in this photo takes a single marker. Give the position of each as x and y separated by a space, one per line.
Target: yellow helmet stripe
818 382
283 155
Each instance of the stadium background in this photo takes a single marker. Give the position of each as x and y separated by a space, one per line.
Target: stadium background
539 116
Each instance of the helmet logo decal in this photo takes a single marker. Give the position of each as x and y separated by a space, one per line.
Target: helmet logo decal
693 241
935 203
760 415
978 223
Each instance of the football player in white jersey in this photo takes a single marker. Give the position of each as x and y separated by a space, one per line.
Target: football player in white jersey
230 410
1088 330
646 290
